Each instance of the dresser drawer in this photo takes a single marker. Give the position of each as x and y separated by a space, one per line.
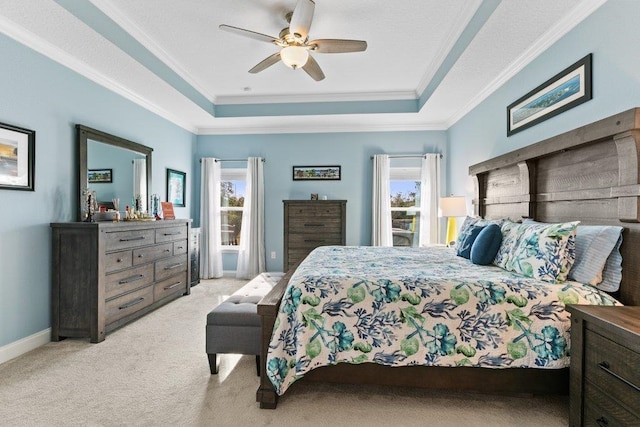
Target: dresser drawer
170 286
170 234
180 247
152 253
614 368
170 266
115 261
127 304
314 210
117 240
127 280
601 411
313 241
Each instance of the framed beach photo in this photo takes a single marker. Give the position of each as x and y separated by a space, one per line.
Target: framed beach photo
176 187
316 173
565 90
17 158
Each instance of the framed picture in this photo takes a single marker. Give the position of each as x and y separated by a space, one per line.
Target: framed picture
560 93
17 157
316 173
98 176
176 183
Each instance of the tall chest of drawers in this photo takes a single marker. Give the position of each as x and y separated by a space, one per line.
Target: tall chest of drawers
312 223
107 274
605 366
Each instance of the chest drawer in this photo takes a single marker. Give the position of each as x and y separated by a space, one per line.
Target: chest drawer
125 305
127 280
308 241
115 261
117 240
152 253
315 225
170 266
170 234
614 368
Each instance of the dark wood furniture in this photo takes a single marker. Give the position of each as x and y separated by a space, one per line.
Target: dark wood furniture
605 357
106 274
589 174
312 223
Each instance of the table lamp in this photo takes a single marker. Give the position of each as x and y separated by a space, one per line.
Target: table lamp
452 207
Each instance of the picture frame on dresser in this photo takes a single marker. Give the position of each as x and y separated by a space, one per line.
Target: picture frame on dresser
17 158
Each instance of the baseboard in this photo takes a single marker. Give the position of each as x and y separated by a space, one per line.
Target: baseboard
25 345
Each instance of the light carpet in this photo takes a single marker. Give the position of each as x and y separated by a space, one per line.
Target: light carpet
155 372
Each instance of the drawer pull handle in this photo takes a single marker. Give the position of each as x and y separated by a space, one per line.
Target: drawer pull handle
602 422
131 303
172 286
119 260
131 279
179 247
171 267
605 367
314 240
167 250
311 224
140 255
129 239
174 233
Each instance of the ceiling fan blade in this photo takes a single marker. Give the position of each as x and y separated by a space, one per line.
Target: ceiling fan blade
265 63
338 45
248 33
313 69
301 18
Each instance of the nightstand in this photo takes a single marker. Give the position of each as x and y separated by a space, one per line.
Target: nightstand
605 366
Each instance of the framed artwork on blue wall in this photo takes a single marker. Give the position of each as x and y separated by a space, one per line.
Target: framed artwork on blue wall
565 90
17 157
176 187
316 173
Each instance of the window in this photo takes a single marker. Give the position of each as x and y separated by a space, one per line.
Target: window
232 192
404 188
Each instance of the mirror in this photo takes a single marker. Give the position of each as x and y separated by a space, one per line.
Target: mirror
117 168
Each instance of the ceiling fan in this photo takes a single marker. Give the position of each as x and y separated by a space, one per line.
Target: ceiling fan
295 44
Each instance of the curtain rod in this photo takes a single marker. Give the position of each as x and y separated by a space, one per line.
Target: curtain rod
233 160
403 156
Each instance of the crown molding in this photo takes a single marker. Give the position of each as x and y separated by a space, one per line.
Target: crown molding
32 41
312 98
564 26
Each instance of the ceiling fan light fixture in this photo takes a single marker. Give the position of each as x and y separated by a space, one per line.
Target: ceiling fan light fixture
294 56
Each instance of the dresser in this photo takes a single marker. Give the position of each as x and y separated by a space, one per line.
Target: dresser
312 223
605 366
107 274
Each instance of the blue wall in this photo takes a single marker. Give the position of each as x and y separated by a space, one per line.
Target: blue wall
611 34
352 151
39 94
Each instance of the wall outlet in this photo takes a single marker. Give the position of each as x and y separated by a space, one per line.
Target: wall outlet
273 254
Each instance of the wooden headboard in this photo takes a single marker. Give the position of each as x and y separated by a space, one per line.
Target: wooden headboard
589 174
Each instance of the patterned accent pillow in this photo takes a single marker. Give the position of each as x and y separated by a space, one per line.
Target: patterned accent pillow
511 234
465 229
464 250
542 251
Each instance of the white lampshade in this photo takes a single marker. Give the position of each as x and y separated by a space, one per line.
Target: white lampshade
453 206
294 56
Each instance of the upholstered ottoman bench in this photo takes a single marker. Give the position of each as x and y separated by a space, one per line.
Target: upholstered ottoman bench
234 325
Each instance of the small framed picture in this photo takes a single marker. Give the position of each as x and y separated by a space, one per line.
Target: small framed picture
314 196
100 176
176 187
17 157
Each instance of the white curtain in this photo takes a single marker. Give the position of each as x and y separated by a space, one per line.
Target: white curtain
429 196
381 234
251 254
210 221
140 182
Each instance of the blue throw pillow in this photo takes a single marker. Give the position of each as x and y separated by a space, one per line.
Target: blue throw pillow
464 250
486 245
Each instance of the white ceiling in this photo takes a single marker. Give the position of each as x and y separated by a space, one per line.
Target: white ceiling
170 57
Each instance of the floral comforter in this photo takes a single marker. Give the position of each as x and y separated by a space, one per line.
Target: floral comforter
418 306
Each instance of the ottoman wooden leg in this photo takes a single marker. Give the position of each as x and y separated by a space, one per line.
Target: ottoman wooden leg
213 366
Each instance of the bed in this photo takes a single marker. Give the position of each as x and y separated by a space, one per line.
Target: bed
589 175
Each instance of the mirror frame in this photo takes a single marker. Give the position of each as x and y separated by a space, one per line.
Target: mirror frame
85 133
